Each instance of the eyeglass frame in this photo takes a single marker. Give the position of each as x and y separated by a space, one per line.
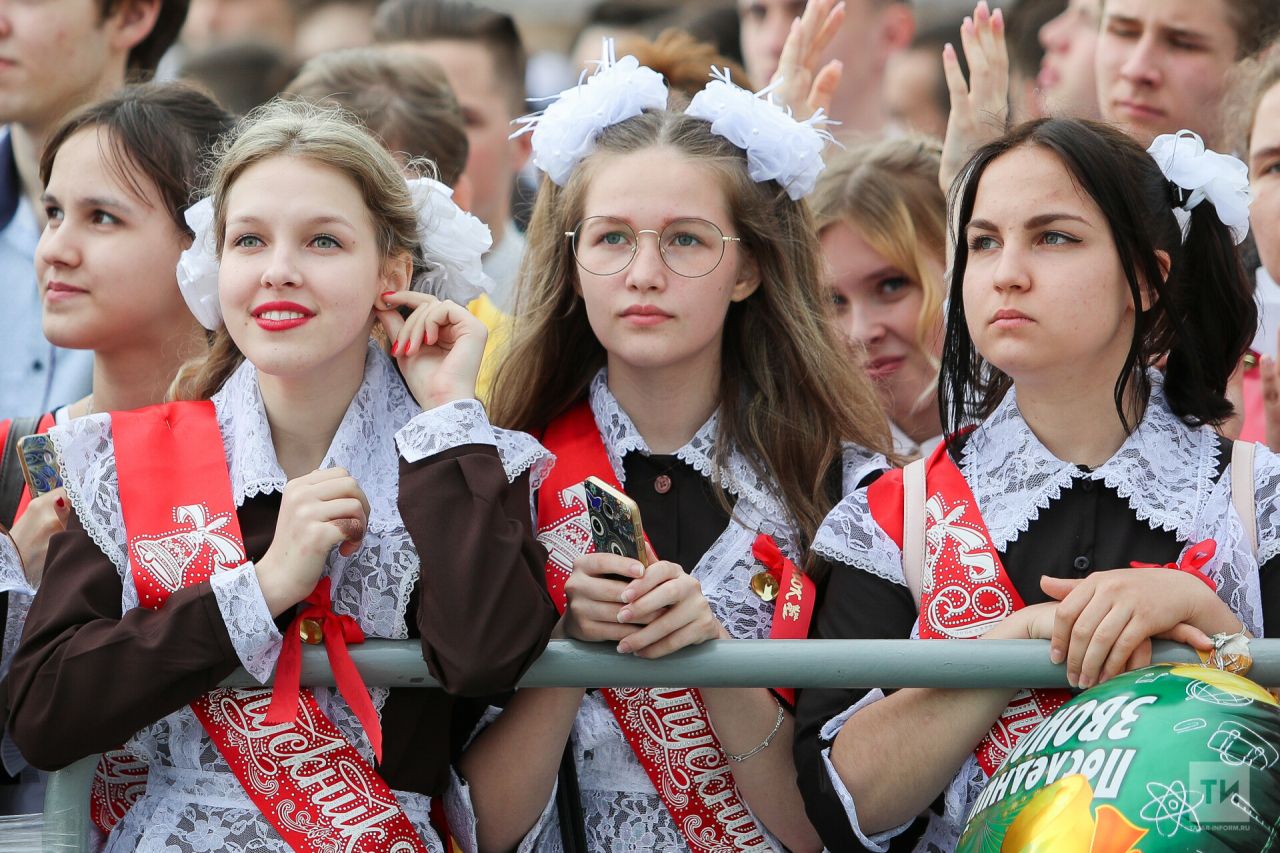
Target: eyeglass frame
635 249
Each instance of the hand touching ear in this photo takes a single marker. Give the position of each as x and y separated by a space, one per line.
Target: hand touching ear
439 347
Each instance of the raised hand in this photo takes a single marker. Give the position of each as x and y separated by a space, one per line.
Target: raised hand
805 87
318 512
439 347
980 107
45 516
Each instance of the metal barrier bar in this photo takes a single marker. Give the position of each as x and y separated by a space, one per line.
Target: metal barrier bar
729 663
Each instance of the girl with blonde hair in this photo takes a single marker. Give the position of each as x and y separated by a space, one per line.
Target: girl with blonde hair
670 339
882 223
294 494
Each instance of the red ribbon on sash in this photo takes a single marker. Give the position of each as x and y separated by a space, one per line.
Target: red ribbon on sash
966 590
668 729
310 783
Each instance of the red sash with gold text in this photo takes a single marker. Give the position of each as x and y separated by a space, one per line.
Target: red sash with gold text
310 783
965 589
667 728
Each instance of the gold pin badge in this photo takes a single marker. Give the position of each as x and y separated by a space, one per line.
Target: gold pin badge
311 631
765 585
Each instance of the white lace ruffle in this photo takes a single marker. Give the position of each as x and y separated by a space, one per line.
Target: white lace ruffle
850 535
186 811
185 807
466 422
253 632
13 580
12 575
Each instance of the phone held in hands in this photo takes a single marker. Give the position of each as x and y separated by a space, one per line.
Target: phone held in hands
39 464
615 522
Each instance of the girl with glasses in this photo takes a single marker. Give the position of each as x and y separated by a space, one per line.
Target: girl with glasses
670 337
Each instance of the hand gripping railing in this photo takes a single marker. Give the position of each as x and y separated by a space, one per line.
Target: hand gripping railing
722 663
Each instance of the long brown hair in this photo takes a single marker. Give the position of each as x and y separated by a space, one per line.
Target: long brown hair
788 398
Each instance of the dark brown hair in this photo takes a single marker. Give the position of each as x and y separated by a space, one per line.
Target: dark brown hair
459 20
401 95
1202 314
145 55
158 132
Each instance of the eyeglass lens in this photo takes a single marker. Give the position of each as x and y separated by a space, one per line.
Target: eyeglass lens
690 247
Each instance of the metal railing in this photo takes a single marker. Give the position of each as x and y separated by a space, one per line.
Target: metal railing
725 663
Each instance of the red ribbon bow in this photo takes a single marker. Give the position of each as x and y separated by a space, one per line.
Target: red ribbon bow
770 556
1195 559
339 631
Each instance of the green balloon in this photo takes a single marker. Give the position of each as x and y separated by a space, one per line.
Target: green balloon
1168 758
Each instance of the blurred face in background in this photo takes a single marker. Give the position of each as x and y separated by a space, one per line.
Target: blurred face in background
214 22
912 85
1162 66
764 25
1067 78
1264 178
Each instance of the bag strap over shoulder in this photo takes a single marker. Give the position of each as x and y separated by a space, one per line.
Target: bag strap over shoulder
913 547
1242 490
11 479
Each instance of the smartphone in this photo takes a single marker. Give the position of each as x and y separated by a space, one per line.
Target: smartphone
39 464
615 521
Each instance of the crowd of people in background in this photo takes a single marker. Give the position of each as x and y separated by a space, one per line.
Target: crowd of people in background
328 308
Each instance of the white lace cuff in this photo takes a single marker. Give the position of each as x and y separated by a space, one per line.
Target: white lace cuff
253 632
466 422
13 578
461 814
880 841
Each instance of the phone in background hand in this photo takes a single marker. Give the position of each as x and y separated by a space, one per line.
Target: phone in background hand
39 464
615 522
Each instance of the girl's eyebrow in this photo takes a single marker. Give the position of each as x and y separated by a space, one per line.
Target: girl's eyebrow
322 219
1031 224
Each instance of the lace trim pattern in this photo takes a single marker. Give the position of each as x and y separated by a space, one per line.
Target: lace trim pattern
253 632
466 422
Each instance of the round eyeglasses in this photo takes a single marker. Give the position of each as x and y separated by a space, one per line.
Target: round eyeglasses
604 245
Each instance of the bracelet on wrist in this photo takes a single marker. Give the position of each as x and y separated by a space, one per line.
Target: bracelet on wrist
764 744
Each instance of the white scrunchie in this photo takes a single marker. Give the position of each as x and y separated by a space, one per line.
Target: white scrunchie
452 241
1204 174
778 147
565 132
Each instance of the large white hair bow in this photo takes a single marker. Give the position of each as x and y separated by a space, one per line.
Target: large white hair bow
1204 174
453 244
452 241
778 147
565 132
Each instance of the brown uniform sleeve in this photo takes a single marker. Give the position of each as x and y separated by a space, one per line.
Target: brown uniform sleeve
484 613
85 679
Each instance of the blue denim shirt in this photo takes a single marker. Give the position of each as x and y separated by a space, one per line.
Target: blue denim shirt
35 376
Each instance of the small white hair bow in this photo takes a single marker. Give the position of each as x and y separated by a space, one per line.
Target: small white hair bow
565 132
779 147
1204 174
452 245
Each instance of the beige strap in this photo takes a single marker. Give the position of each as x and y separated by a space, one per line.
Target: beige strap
1242 496
913 548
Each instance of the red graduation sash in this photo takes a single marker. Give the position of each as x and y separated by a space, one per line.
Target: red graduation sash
668 729
965 590
310 783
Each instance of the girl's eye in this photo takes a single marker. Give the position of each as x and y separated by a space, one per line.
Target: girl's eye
894 286
685 241
1057 238
325 241
838 299
248 241
52 213
1272 169
101 217
614 238
982 243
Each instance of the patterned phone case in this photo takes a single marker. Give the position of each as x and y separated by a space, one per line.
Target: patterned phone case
615 525
39 464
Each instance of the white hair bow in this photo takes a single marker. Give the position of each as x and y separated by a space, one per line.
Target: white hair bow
566 131
1204 174
452 241
778 146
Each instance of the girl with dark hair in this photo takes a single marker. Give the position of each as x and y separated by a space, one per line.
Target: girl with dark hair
1084 461
118 177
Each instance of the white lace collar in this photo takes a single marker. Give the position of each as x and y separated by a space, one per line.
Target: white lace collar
740 478
1165 470
365 439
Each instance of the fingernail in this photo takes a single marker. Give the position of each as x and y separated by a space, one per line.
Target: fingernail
626 596
1055 655
624 648
1085 682
387 293
61 503
624 615
395 348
